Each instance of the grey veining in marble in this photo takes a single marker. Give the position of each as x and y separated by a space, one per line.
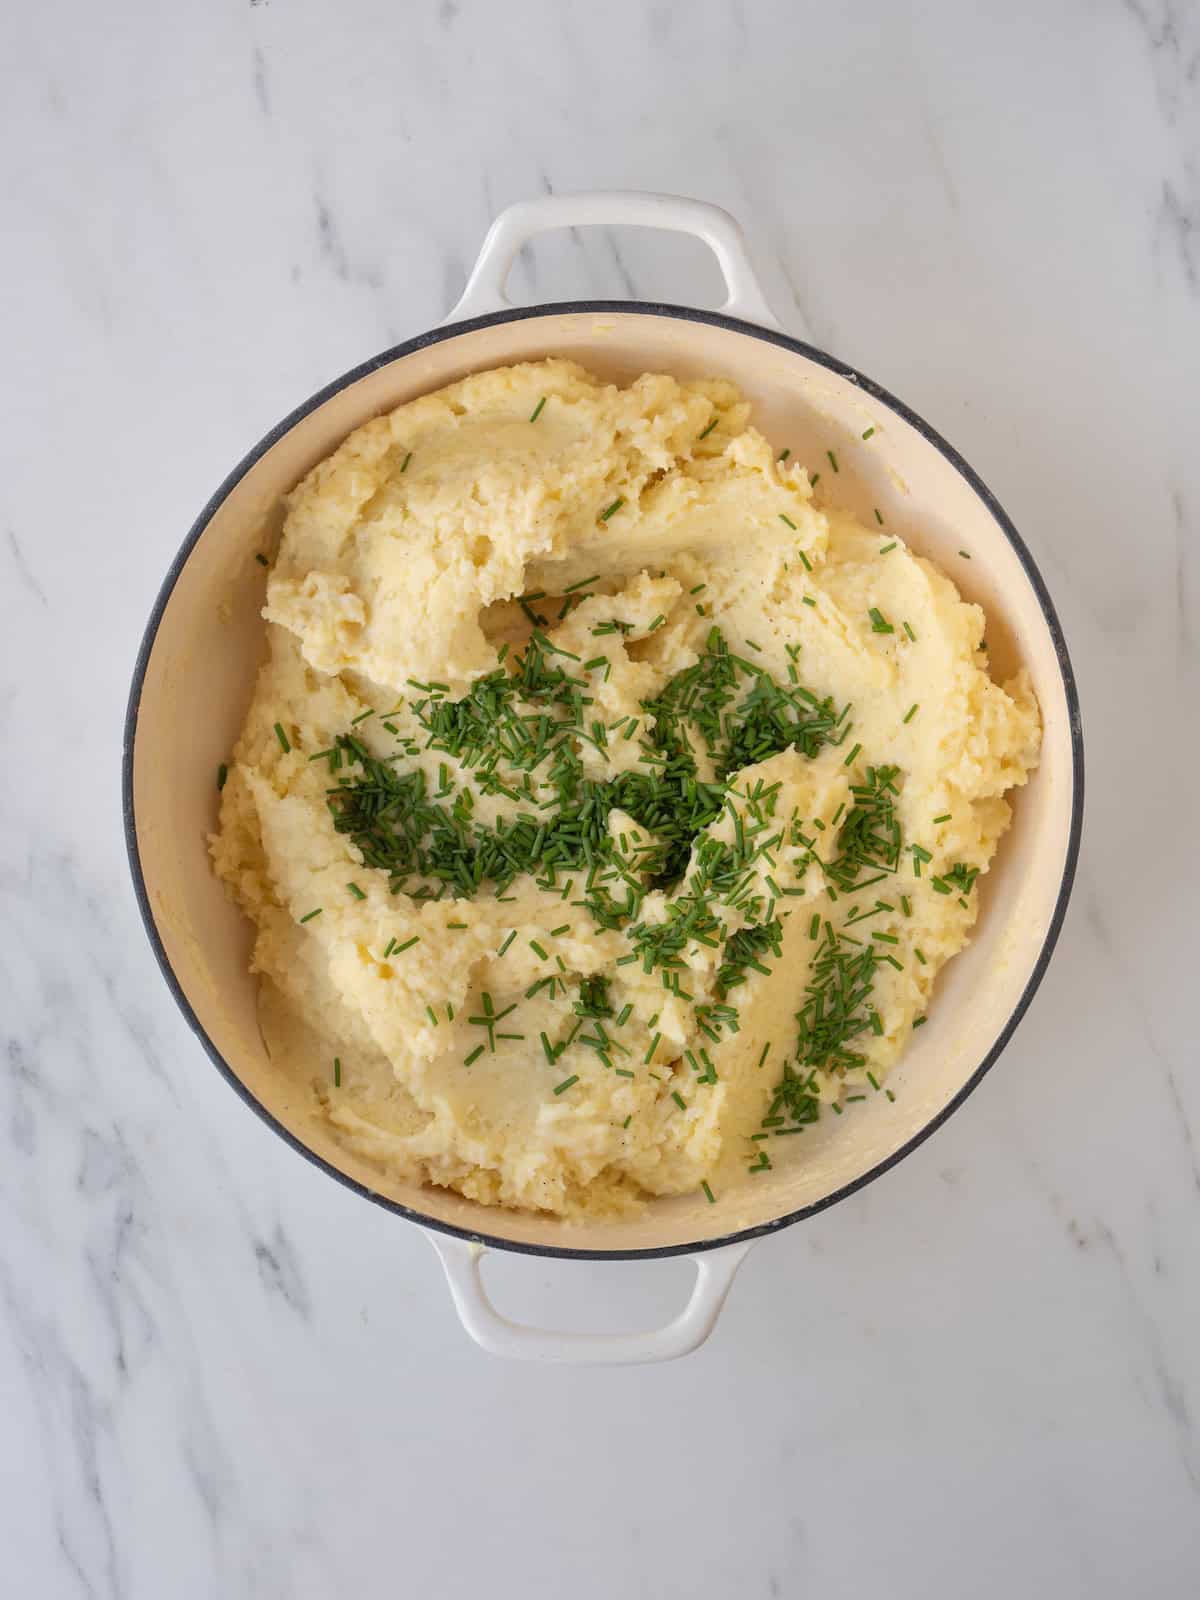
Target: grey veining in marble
222 1375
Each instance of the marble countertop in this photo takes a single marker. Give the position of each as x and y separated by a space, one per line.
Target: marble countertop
222 1374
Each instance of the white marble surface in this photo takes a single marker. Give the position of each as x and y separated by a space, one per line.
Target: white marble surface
223 1375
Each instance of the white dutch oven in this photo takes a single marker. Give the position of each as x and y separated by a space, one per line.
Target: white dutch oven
204 642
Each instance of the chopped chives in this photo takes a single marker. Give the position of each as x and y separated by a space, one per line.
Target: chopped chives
261 559
708 1194
506 944
612 509
222 775
470 1060
707 430
561 1088
678 1099
407 459
945 817
919 1022
784 454
849 761
311 914
807 564
809 601
965 554
833 460
538 950
284 742
911 712
649 1056
337 1072
909 632
430 1013
789 522
868 433
884 548
563 927
878 516
407 945
537 410
356 891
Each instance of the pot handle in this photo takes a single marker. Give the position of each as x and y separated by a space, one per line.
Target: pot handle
715 1270
518 224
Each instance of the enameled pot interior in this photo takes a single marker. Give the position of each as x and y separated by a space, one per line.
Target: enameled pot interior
201 660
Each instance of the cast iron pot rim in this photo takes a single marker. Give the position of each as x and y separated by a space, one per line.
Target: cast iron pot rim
684 314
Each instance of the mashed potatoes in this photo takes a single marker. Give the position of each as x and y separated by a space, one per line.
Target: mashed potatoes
601 800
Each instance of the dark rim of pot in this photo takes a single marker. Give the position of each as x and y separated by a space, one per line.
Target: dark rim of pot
685 314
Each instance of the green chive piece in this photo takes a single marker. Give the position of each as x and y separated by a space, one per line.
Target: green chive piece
833 460
407 945
311 915
678 1099
261 559
807 564
222 775
965 554
945 817
912 711
784 454
878 516
849 761
885 548
537 410
561 1088
538 950
909 632
407 459
649 1056
708 1194
337 1072
789 522
356 891
474 1056
506 943
707 430
868 433
612 509
284 742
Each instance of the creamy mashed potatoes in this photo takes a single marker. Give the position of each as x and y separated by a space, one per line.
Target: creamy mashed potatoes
602 804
